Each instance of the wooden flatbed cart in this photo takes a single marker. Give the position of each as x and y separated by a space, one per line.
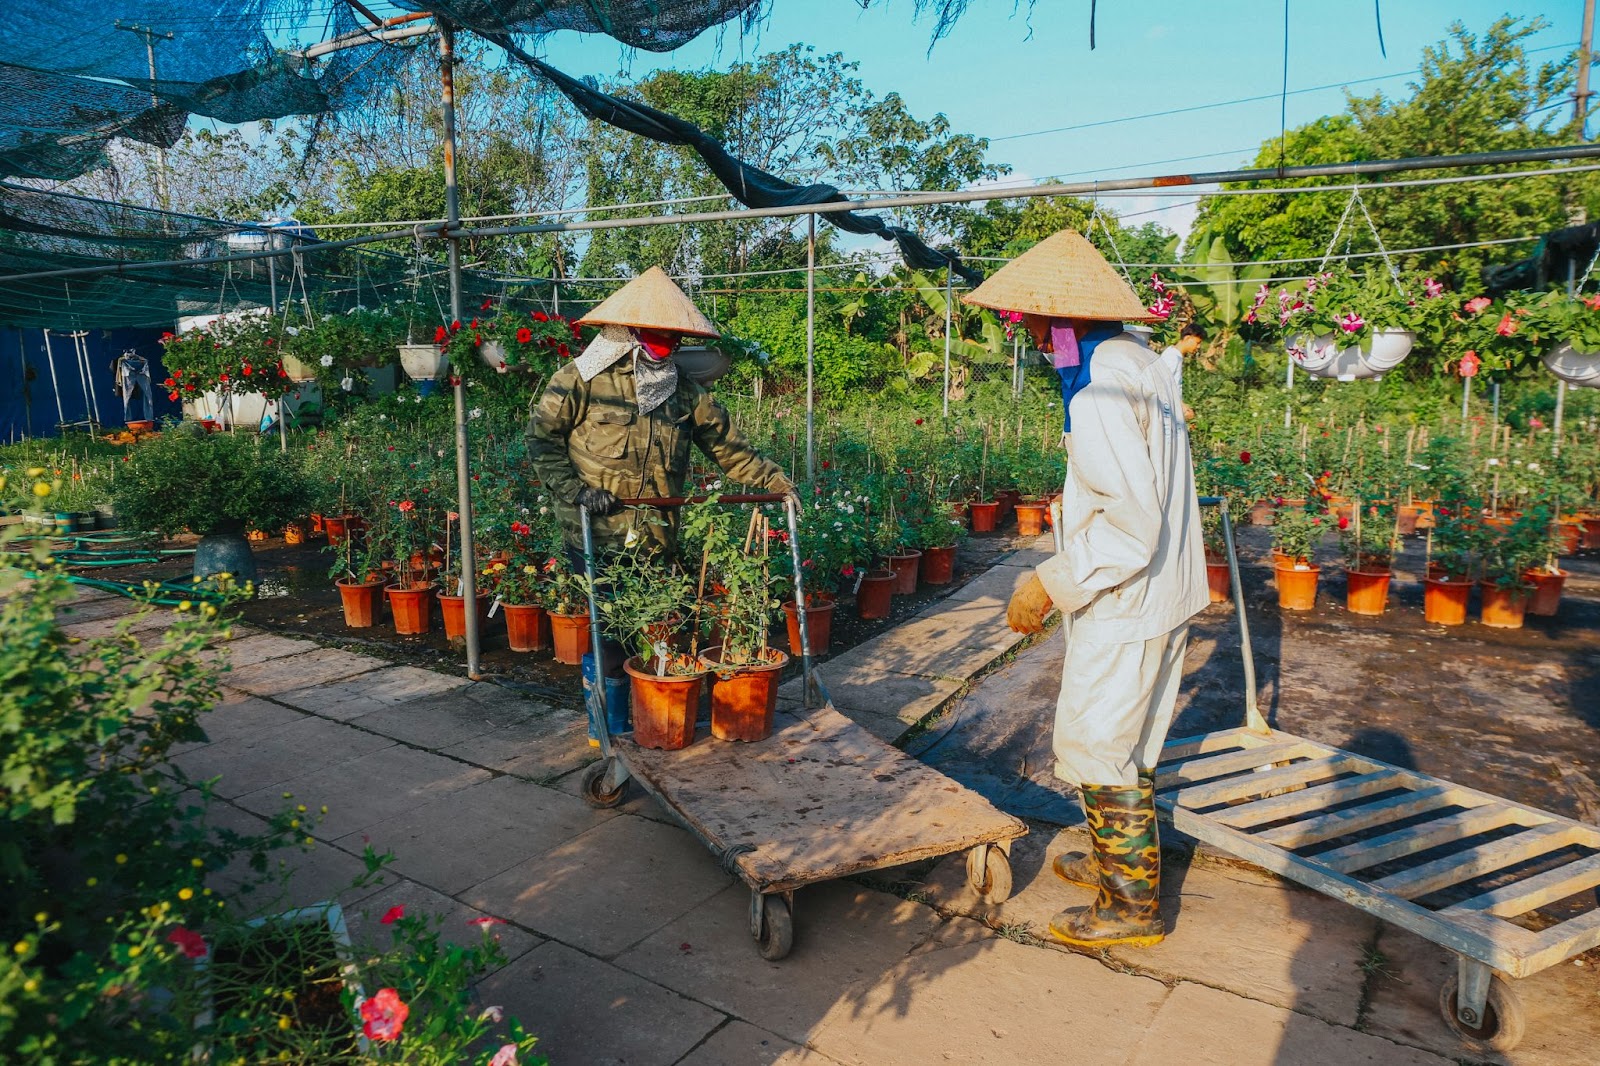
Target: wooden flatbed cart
821 798
1461 868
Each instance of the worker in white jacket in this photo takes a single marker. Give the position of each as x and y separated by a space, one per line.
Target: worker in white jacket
1129 579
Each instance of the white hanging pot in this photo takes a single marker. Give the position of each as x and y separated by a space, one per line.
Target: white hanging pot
297 370
493 354
422 362
1314 355
1581 369
702 362
1389 348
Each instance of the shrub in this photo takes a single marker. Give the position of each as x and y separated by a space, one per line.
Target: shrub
206 483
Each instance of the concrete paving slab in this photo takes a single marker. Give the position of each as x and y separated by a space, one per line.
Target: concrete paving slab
320 667
1216 1028
957 639
1561 1005
273 756
477 832
843 934
370 691
636 801
1262 938
366 927
540 744
741 1044
239 716
247 650
449 717
991 588
608 889
91 610
296 876
369 789
146 625
899 697
588 1013
993 1002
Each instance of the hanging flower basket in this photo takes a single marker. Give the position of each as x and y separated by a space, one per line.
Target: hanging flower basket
422 362
1323 356
1577 368
703 363
296 370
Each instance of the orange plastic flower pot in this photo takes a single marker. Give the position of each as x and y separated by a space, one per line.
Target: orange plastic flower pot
743 698
569 637
455 615
1571 537
938 565
984 516
1546 597
1503 608
358 598
335 529
412 608
1262 512
664 708
1405 519
1219 581
1444 602
1591 532
1007 499
294 533
1297 589
1366 591
905 567
1030 518
526 628
872 598
958 511
819 624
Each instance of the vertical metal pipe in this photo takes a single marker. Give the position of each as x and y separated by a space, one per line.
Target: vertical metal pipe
452 212
595 699
55 385
1580 95
811 347
1254 720
1466 398
948 315
1288 397
1494 418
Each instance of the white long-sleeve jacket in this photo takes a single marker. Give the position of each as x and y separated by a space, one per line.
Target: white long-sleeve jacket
1134 563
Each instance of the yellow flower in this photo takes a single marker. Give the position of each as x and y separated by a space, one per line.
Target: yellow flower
91 882
309 842
186 893
530 569
185 605
301 808
35 471
20 947
499 566
283 1021
41 917
121 859
197 863
135 951
41 488
31 985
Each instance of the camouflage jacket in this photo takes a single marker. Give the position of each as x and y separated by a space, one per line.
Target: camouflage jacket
591 433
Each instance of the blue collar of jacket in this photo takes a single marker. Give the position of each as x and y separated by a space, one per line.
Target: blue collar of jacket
1074 379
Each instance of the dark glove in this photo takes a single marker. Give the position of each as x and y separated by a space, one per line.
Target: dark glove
598 501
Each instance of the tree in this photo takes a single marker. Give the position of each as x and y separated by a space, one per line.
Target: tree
1476 93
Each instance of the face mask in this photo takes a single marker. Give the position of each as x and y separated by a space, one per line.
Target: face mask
658 343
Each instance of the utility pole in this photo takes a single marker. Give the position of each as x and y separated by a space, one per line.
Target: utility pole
151 36
1580 95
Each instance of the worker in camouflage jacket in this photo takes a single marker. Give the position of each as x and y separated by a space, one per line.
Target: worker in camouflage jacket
618 421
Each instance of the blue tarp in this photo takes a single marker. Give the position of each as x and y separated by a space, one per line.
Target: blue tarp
28 394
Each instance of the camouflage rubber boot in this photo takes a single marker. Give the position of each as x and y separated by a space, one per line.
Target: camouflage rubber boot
1127 845
1081 868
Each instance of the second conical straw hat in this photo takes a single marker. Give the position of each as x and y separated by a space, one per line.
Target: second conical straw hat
651 301
1063 276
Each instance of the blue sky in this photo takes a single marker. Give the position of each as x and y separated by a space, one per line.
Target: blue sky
1004 72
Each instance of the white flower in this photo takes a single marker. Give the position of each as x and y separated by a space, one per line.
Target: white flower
417 398
850 509
1534 467
326 360
838 525
631 539
383 418
347 383
1494 462
476 412
293 331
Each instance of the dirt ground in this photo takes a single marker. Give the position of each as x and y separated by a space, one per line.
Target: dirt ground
297 598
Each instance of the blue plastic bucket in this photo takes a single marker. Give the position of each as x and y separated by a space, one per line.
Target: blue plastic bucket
619 717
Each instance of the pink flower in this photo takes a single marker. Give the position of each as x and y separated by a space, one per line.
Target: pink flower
1432 289
1469 364
191 943
1477 304
392 915
1352 323
406 506
1536 423
506 1056
1507 326
452 516
384 1015
487 920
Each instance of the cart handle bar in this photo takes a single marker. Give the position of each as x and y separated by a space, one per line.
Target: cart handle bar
679 501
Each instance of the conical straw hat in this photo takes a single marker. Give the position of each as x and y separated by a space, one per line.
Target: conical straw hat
651 301
1063 276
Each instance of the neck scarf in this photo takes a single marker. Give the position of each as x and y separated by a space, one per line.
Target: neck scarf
653 380
608 346
1075 378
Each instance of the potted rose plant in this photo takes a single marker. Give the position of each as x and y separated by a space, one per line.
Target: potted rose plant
1453 544
1368 542
1295 533
567 605
643 603
833 546
1508 555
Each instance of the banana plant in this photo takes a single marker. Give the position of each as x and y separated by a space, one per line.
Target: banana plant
1220 291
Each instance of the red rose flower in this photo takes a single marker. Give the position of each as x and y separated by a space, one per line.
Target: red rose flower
169 382
919 421
167 336
455 326
487 303
173 396
564 351
440 335
177 373
189 387
191 943
1244 457
1344 523
384 1015
540 316
524 335
246 369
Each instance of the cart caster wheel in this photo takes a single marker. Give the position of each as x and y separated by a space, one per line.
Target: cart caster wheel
594 780
1502 1026
989 873
776 938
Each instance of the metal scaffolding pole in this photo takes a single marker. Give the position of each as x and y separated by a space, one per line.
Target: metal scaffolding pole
811 348
948 315
452 207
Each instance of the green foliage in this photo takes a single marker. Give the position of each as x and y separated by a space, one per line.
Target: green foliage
643 602
207 483
1297 530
